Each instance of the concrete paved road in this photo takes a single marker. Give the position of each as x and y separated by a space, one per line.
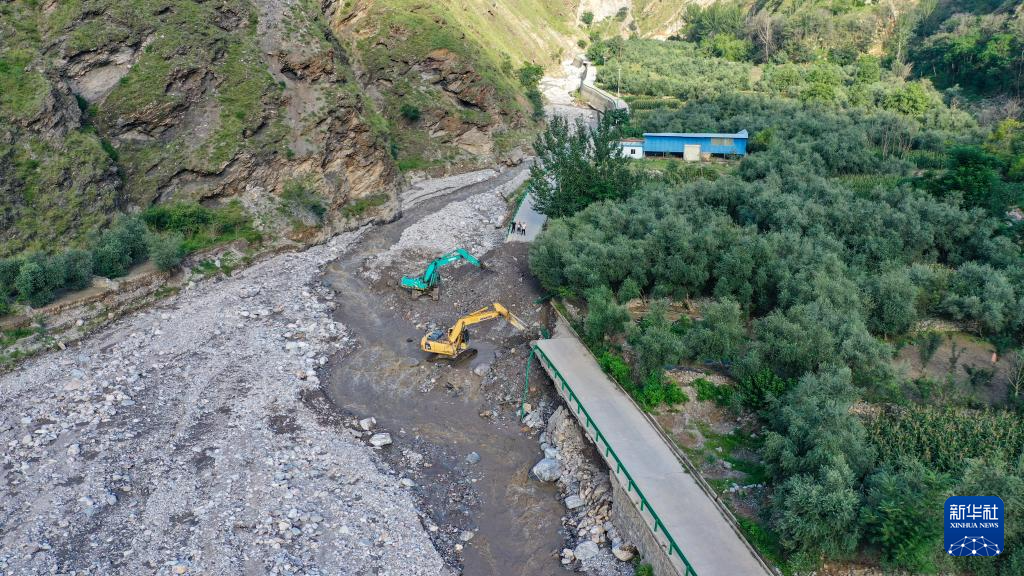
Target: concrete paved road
700 529
530 218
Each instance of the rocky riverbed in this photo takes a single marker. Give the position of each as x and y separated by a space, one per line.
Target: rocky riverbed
187 439
230 428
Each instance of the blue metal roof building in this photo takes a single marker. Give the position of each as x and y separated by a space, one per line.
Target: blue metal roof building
686 144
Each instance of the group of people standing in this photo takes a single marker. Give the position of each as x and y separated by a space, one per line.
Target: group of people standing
517 228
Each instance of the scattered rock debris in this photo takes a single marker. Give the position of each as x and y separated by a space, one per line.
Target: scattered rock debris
597 547
185 439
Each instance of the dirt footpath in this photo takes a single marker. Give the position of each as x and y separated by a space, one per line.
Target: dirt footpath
177 441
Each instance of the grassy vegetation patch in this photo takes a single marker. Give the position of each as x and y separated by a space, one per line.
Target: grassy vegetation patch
201 226
358 207
22 89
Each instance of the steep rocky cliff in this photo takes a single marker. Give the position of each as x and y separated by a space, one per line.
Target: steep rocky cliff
444 73
307 111
114 106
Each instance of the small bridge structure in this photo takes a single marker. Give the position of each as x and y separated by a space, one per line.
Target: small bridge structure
679 524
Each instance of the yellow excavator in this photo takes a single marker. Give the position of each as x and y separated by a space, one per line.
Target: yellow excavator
453 343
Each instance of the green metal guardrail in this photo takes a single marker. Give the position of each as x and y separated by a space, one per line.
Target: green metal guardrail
631 486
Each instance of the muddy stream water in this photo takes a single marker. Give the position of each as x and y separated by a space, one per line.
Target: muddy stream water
516 520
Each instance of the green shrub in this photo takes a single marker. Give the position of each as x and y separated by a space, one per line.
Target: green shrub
530 75
762 387
9 268
615 367
629 290
300 198
5 304
410 112
120 247
202 226
605 317
166 250
187 218
657 390
719 335
707 390
77 268
537 102
587 18
33 285
902 514
112 257
357 207
654 343
927 344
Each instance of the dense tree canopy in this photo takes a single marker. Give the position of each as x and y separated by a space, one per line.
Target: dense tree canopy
866 205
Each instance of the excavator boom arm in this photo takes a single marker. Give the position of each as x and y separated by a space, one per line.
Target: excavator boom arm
457 331
429 277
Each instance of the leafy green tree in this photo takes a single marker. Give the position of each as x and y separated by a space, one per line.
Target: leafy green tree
797 341
112 257
713 19
983 55
654 343
903 515
122 246
77 269
973 175
33 285
894 303
167 250
761 389
9 268
910 99
727 46
818 451
577 166
605 317
629 290
530 74
719 335
812 429
818 516
981 294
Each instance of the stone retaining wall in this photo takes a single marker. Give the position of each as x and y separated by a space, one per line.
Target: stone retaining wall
628 519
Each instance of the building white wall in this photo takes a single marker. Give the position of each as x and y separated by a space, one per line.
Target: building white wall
633 150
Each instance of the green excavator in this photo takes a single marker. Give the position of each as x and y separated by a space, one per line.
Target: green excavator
432 275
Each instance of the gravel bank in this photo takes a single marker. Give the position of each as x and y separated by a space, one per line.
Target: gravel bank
475 224
184 440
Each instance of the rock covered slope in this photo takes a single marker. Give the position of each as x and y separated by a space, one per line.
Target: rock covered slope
444 73
121 104
193 438
112 106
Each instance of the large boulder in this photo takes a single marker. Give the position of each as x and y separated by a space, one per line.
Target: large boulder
586 550
547 470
